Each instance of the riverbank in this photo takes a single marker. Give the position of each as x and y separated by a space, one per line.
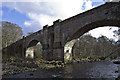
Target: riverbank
15 65
12 66
96 70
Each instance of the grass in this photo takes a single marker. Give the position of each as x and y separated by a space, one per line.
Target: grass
18 65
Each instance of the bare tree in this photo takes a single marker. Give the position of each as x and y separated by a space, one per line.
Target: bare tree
10 33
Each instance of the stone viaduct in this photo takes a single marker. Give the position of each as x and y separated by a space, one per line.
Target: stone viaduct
58 39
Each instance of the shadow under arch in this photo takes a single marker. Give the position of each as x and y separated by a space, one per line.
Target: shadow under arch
69 43
32 43
82 30
68 50
29 53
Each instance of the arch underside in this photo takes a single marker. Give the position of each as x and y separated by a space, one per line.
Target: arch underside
91 26
32 43
29 53
74 36
68 50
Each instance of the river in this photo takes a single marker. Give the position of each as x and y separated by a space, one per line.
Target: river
101 69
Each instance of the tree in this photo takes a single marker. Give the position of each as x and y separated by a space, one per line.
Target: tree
10 33
88 46
119 36
106 46
84 46
38 51
117 33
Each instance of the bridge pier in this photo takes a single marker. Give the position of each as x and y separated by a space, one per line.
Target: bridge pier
58 54
47 55
54 37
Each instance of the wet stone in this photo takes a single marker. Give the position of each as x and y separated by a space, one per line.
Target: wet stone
31 74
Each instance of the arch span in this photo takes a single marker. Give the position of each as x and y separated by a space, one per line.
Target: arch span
81 30
53 38
30 49
68 48
32 43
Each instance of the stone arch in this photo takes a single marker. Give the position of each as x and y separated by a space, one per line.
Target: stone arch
83 29
70 41
68 50
32 43
20 50
29 48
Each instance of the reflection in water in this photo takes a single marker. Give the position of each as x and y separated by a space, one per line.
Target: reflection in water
102 69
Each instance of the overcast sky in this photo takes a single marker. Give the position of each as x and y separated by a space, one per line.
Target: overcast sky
31 15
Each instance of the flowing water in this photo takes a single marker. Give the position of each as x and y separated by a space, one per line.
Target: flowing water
101 69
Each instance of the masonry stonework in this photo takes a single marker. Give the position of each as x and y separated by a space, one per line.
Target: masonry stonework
54 38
